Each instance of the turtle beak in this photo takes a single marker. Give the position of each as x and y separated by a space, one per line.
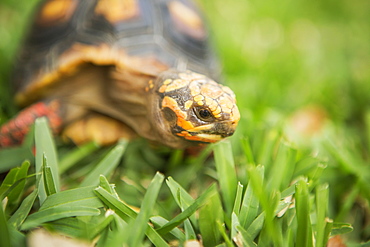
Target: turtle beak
215 131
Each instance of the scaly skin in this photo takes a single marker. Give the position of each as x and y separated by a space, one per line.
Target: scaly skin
13 132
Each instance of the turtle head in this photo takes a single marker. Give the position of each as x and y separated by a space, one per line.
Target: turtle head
190 108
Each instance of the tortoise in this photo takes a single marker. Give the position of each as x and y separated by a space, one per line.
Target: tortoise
101 70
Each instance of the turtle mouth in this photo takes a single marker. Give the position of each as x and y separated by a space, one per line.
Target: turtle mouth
213 132
210 137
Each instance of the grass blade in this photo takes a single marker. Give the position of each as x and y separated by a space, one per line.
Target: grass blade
245 238
159 221
84 196
22 212
209 215
222 230
304 229
122 209
12 157
55 213
226 173
106 166
127 214
248 150
238 199
48 179
322 197
44 144
256 226
183 200
4 230
138 226
76 155
250 204
14 183
281 172
189 211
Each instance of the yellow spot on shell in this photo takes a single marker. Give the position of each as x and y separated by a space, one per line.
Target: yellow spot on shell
116 10
56 11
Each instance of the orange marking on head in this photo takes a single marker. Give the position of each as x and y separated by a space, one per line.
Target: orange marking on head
117 10
56 11
199 139
183 133
181 115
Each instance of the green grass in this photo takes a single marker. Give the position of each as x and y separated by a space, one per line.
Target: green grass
271 184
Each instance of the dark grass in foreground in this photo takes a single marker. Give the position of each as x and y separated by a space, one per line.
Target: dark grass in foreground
280 204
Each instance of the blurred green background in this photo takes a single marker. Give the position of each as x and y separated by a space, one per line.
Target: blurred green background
288 62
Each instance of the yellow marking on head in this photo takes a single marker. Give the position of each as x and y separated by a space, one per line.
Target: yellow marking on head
212 91
226 110
162 89
235 114
217 111
209 100
217 116
117 10
198 98
194 89
188 104
213 106
177 84
167 81
200 103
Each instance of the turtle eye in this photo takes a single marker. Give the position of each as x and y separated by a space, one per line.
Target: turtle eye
204 114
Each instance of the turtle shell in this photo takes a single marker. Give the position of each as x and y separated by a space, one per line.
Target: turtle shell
147 36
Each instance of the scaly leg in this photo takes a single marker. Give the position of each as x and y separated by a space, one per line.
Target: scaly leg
13 132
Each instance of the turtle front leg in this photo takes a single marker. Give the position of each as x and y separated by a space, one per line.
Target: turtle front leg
13 132
98 128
